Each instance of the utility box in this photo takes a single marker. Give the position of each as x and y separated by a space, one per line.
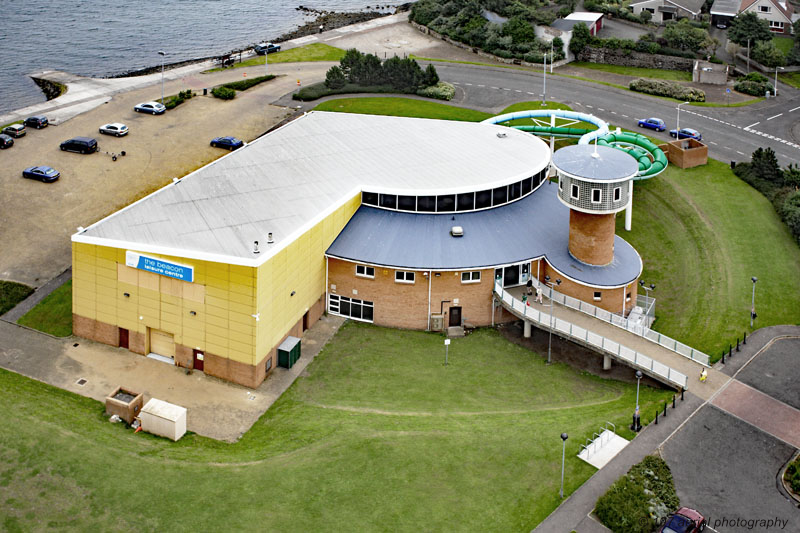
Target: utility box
437 322
164 419
289 352
125 404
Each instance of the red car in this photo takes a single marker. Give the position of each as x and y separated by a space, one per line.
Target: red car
684 520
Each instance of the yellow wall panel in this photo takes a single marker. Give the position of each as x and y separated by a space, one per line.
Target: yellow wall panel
215 301
220 322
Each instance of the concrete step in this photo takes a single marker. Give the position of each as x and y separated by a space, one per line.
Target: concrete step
455 331
603 449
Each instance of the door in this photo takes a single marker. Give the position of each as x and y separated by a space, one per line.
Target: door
305 321
455 316
511 276
197 357
123 338
162 343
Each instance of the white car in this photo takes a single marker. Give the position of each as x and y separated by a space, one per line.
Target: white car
115 128
155 108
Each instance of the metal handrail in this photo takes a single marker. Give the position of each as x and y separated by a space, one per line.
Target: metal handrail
637 359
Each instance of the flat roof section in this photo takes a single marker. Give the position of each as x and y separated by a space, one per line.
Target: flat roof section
288 180
610 164
729 8
535 226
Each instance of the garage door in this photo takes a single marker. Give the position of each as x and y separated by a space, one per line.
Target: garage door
162 343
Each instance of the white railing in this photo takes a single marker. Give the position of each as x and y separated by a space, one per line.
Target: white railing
604 344
640 326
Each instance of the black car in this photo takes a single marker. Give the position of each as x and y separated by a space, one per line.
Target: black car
6 141
83 145
44 174
38 122
229 143
266 48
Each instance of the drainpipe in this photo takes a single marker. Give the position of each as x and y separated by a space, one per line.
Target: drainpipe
326 283
430 275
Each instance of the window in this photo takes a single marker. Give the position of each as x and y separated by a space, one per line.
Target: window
500 195
527 186
269 364
403 277
350 307
628 297
365 271
446 203
466 201
764 9
576 192
407 203
617 193
774 24
483 199
598 295
471 277
514 191
389 201
426 204
369 198
597 196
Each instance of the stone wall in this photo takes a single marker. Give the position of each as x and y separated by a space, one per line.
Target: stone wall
629 58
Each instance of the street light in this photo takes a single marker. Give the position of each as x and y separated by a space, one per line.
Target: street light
544 79
551 56
162 53
564 438
678 125
753 302
550 338
637 426
776 80
647 290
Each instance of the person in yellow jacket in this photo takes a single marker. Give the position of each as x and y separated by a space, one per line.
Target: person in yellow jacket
703 375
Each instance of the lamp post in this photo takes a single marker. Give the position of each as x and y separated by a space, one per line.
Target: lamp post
647 290
753 301
637 426
775 92
678 122
748 56
550 338
564 438
162 53
551 56
544 79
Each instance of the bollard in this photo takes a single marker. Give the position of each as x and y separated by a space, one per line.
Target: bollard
730 351
656 416
682 390
723 358
745 338
737 344
665 409
673 401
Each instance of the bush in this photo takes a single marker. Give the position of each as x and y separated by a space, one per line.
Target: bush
668 88
753 88
441 91
334 78
640 500
755 76
318 90
243 85
223 93
171 102
792 475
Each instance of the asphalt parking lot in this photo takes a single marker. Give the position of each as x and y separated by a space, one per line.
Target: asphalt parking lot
776 372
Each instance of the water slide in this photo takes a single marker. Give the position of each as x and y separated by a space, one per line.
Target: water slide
652 160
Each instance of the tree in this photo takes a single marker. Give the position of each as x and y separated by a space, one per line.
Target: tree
748 26
684 36
710 45
764 165
581 37
520 30
558 47
431 76
351 64
791 176
334 79
645 16
768 54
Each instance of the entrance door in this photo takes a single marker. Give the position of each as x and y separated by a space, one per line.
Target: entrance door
197 357
511 276
305 321
455 316
162 343
123 338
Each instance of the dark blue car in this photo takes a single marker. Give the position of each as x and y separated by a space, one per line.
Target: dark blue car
653 124
686 133
230 143
42 173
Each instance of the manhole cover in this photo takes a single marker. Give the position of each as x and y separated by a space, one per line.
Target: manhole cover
81 382
75 345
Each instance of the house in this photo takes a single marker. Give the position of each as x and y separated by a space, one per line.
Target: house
593 21
777 13
666 10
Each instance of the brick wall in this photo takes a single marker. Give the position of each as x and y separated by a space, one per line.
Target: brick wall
611 299
630 58
591 237
694 154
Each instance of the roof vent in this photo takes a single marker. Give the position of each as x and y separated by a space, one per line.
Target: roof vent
502 135
457 231
255 247
269 238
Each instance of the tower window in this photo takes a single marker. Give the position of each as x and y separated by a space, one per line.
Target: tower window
597 196
617 193
576 192
598 295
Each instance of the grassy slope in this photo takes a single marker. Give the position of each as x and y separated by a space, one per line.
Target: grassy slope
783 43
53 314
654 73
309 52
412 445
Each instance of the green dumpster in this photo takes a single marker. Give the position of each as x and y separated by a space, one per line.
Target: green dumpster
289 352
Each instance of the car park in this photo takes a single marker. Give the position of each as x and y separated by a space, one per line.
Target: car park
83 145
42 173
684 520
6 141
155 108
686 133
36 121
229 143
266 48
653 124
15 130
115 128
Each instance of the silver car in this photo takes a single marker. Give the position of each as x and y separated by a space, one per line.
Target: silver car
115 128
156 108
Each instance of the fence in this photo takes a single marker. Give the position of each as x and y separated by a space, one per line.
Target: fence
604 344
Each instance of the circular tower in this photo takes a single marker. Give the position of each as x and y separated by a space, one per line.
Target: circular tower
595 182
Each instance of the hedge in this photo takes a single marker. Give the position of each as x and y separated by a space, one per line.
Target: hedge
223 93
318 90
174 101
441 91
753 88
243 85
668 88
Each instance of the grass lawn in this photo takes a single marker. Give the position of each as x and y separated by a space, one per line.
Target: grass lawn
702 234
672 75
52 315
402 107
377 435
790 78
784 44
12 293
309 52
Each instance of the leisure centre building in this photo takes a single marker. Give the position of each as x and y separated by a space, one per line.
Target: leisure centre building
402 222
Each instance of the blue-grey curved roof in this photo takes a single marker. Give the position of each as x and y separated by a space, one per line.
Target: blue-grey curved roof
535 226
610 164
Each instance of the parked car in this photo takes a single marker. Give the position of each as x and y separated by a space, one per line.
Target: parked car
83 145
155 108
44 174
686 133
15 130
266 48
6 141
115 128
653 124
230 143
37 121
684 520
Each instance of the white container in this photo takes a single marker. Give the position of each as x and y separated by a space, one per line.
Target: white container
163 419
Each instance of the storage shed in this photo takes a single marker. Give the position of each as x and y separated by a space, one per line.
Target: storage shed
164 419
289 352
